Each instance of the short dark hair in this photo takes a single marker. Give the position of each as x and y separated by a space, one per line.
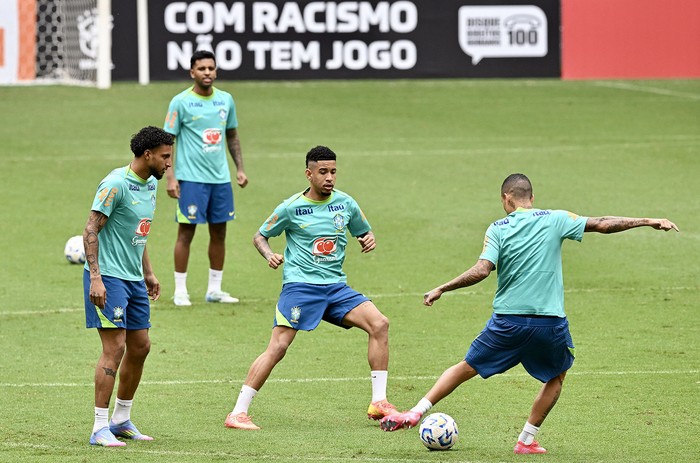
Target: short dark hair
201 54
148 138
319 153
517 185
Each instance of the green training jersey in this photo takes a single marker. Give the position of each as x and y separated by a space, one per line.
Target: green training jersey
525 247
129 203
316 236
200 124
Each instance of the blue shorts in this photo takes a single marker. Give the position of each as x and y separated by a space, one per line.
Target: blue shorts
542 344
302 306
205 202
127 305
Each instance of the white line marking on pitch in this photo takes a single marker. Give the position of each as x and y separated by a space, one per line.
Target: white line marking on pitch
245 456
339 380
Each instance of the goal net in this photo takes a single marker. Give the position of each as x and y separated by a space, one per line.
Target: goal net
66 36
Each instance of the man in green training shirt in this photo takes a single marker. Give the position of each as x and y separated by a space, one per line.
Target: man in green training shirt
118 280
203 118
528 324
316 222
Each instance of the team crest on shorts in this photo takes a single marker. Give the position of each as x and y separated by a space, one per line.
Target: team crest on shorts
296 313
192 211
118 314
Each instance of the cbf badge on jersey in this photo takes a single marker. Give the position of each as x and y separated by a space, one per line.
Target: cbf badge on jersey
339 222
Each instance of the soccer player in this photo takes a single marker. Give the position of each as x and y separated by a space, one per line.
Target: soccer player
528 324
203 118
314 287
118 279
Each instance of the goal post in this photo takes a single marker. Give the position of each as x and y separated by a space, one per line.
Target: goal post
104 44
56 42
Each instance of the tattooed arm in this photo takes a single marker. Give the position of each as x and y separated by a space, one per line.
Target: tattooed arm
618 224
478 272
234 147
263 246
98 293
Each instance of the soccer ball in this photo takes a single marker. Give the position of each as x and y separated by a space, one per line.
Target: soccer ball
74 250
438 431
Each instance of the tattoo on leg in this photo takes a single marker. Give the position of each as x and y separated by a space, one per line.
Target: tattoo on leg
110 372
549 409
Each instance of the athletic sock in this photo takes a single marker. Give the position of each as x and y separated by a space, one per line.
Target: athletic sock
215 277
245 397
101 419
122 411
180 283
422 406
379 378
528 434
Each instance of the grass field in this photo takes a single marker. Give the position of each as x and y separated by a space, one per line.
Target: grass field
425 159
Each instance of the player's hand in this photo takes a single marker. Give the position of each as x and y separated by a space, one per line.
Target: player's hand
275 260
367 242
241 179
153 286
664 224
97 292
174 189
431 296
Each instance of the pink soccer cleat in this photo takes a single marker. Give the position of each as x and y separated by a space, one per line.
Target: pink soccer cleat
379 409
403 420
522 449
240 421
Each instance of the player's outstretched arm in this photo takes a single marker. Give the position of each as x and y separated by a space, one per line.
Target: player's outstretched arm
263 246
475 274
610 224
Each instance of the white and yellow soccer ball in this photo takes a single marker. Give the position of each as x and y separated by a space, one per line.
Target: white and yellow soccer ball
438 431
75 250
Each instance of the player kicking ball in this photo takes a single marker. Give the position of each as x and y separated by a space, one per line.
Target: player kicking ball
528 324
314 287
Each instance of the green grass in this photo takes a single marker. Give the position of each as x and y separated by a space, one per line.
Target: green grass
425 159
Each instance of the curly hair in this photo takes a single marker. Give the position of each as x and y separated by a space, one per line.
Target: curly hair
148 138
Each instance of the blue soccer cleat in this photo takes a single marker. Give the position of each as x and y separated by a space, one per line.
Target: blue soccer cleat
105 438
127 430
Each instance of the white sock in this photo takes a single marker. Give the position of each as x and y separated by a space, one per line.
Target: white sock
180 283
528 434
379 378
245 397
422 406
122 411
215 277
101 419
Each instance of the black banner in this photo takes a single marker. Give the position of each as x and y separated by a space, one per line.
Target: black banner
263 40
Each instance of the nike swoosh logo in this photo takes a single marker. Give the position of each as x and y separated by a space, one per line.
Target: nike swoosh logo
194 118
135 202
230 214
304 225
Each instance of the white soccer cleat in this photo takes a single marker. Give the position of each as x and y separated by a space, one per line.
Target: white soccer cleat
182 299
220 296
